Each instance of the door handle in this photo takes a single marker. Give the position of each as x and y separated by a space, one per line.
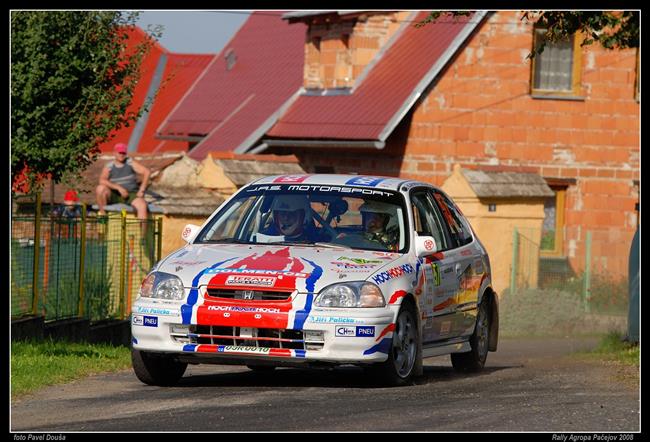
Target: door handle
457 268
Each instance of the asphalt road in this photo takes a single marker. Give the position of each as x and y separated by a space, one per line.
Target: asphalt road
527 385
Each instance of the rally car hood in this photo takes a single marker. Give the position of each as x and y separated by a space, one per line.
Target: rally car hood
272 267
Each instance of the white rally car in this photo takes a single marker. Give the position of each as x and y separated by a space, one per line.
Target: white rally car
320 270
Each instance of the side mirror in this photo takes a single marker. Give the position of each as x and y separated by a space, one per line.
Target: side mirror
189 232
425 245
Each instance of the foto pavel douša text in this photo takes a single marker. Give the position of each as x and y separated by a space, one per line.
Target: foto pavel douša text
39 436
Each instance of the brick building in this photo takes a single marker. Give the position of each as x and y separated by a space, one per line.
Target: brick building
381 97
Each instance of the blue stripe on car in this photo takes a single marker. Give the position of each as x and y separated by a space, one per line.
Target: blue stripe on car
186 309
301 315
382 347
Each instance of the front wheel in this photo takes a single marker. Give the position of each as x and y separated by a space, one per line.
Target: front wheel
404 353
154 369
474 360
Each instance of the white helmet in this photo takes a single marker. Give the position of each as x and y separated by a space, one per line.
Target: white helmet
377 207
290 212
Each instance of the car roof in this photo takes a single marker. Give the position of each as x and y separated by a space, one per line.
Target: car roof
381 182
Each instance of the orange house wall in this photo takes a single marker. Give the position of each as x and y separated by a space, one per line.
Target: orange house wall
480 114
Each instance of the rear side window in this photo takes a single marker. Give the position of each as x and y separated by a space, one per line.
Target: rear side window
427 222
458 225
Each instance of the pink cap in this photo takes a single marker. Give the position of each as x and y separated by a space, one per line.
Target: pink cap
120 148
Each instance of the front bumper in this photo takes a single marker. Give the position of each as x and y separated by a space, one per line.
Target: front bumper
335 336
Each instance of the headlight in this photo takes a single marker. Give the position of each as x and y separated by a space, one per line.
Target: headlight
351 294
162 285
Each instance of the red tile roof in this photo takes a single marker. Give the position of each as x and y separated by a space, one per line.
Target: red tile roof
149 63
375 107
181 70
180 73
232 107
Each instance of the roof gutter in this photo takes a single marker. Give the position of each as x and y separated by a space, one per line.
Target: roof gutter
432 74
334 144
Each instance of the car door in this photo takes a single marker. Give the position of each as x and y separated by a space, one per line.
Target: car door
438 294
469 266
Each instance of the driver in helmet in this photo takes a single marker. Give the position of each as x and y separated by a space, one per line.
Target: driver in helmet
377 217
292 218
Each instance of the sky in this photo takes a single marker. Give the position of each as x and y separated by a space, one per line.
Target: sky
194 31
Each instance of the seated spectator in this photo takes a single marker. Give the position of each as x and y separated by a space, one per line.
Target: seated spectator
118 183
70 207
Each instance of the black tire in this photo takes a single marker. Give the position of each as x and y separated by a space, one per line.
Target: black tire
474 360
405 354
261 368
155 369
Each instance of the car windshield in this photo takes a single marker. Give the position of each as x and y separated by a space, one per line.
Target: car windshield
321 215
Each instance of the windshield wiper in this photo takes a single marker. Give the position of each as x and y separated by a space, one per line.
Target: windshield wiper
225 241
333 245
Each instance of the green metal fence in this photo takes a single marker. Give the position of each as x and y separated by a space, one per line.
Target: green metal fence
87 266
597 293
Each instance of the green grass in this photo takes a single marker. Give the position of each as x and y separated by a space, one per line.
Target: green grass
613 348
35 365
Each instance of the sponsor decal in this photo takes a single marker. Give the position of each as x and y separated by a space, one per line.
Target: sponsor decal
428 244
343 331
360 260
154 311
263 188
333 320
187 263
187 232
350 190
263 281
466 252
393 273
291 179
436 274
150 321
242 348
136 320
365 181
355 332
351 266
383 255
234 308
277 273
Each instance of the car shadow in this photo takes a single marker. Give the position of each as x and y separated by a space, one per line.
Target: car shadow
339 377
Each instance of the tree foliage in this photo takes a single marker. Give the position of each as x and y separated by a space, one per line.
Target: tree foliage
72 81
612 29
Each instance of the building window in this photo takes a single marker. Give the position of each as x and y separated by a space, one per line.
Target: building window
556 71
553 226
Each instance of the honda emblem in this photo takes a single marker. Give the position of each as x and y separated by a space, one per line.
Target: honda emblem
248 294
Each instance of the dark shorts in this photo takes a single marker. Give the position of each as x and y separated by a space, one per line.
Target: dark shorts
116 198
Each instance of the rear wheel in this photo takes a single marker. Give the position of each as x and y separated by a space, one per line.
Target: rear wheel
157 369
404 354
474 360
